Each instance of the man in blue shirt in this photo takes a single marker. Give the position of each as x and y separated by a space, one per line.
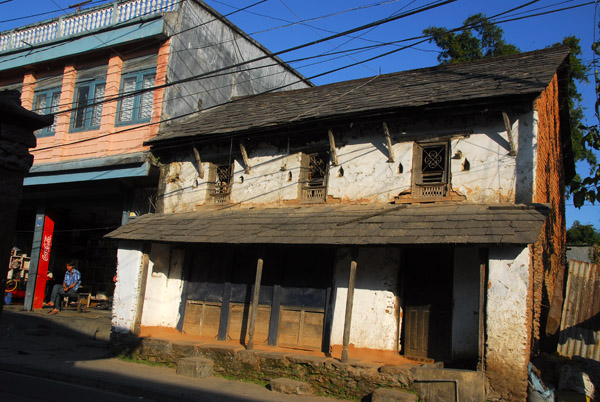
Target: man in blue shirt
69 287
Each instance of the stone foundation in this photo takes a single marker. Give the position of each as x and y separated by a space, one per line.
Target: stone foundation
326 376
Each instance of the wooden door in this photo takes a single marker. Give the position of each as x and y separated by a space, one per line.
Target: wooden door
428 283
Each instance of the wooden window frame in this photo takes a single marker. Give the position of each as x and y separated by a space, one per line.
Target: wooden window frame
311 189
430 187
139 77
48 109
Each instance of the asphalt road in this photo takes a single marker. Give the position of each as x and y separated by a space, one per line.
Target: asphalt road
26 388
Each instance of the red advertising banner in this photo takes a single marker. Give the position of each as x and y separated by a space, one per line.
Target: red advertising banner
42 271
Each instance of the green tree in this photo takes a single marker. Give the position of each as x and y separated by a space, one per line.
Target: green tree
583 234
479 38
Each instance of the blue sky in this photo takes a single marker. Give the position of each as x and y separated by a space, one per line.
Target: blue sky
269 23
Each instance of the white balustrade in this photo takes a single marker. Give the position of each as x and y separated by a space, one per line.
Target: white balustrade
83 21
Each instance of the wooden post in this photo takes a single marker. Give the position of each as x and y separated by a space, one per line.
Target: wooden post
334 157
259 267
198 163
141 296
388 141
245 157
508 127
349 304
483 258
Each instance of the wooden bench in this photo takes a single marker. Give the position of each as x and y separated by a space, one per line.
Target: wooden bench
83 300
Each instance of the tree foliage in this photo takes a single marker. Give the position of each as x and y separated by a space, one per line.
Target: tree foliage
583 234
479 38
588 188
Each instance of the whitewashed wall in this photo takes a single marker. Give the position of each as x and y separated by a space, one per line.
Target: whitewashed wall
465 313
129 262
507 329
164 286
364 174
376 305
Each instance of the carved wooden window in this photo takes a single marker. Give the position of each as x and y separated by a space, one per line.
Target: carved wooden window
313 176
430 170
220 182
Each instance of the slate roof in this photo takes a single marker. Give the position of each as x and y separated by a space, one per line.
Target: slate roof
344 225
480 81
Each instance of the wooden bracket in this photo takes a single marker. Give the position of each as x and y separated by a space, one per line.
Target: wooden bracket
388 141
334 157
198 163
245 157
508 127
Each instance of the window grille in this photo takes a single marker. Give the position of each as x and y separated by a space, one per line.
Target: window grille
46 102
221 189
430 171
314 181
136 108
88 102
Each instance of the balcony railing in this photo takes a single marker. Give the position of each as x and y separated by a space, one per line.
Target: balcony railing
83 21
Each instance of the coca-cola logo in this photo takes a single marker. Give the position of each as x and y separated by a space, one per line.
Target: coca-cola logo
46 244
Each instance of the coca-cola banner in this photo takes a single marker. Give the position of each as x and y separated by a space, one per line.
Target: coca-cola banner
42 271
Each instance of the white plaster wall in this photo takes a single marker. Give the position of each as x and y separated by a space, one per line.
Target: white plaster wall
129 262
269 180
507 323
493 176
493 173
465 314
376 305
163 287
368 176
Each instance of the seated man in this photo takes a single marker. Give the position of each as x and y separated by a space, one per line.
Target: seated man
69 287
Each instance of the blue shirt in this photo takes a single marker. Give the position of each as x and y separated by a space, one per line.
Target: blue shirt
73 277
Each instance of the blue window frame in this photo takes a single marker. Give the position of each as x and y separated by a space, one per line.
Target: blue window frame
88 112
46 102
136 108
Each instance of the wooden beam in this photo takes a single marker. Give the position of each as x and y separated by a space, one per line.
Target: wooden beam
198 163
388 141
483 259
245 157
508 127
349 305
334 157
255 296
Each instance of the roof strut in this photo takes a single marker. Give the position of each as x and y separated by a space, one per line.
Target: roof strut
334 157
245 157
388 141
508 126
199 163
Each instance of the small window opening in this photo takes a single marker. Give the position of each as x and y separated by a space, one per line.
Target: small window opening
430 171
315 168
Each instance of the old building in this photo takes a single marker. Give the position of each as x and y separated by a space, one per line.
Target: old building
434 196
111 75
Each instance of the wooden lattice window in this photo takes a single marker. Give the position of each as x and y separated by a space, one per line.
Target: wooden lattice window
313 176
430 170
220 182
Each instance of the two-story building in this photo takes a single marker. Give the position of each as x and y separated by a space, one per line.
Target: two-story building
112 75
434 196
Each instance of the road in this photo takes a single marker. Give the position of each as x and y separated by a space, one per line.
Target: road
25 388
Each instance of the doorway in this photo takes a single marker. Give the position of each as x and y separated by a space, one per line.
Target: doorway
428 283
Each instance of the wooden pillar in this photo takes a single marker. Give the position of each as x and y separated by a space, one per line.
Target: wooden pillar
259 268
483 261
141 296
349 304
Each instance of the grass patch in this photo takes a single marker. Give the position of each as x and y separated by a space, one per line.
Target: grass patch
144 362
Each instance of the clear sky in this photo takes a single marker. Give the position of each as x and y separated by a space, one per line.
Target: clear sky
282 24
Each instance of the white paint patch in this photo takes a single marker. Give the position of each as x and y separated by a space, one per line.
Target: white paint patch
129 262
507 329
374 315
163 287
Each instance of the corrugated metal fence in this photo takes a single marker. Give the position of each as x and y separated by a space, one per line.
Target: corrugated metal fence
580 323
